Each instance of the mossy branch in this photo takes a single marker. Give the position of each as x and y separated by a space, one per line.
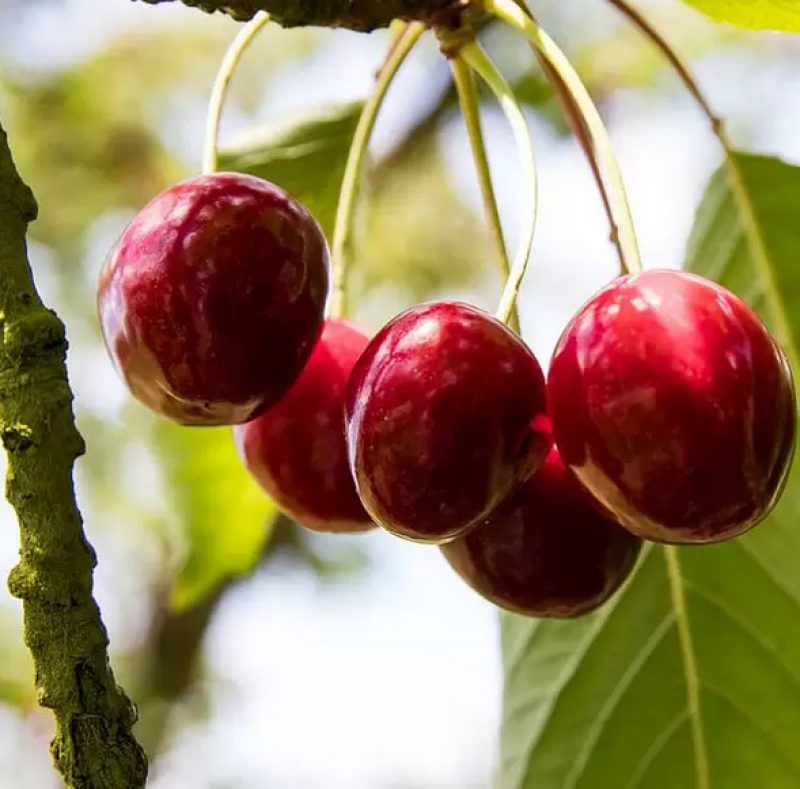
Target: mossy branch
361 15
93 746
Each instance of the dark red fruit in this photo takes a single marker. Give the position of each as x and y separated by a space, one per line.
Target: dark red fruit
548 551
297 449
212 299
674 406
446 418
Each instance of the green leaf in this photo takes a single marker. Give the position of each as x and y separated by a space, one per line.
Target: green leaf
757 14
748 239
690 677
306 155
225 517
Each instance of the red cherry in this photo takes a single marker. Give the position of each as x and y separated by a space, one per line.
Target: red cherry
445 418
547 551
674 406
211 301
297 449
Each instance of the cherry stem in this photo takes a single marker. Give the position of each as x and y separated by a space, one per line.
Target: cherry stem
584 139
735 180
470 109
229 62
511 13
401 46
675 61
473 54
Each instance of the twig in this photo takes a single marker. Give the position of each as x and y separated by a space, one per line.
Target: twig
93 747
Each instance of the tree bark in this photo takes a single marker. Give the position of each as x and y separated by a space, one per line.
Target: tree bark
93 747
363 15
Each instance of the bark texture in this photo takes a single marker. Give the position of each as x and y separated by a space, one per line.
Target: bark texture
93 747
363 15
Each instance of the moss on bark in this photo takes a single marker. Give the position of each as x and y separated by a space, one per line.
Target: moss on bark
93 747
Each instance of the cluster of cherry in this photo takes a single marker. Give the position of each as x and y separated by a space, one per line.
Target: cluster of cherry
668 413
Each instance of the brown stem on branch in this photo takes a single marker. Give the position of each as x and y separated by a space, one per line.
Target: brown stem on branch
93 746
363 15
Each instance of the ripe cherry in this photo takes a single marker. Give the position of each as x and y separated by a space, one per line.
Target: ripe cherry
211 301
548 550
674 406
297 449
445 418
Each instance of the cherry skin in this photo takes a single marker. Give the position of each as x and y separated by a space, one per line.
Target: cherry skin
674 406
548 551
445 418
212 299
297 449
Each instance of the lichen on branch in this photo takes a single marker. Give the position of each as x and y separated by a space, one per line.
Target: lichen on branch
361 15
93 747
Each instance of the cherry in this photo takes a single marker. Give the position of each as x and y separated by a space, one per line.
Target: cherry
297 449
548 550
445 418
211 301
674 406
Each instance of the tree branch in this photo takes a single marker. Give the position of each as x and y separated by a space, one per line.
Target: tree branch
363 15
93 746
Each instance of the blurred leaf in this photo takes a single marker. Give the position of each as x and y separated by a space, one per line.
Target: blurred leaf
416 233
119 122
690 677
758 14
226 516
399 240
305 155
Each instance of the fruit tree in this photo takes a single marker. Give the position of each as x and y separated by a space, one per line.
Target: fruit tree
627 507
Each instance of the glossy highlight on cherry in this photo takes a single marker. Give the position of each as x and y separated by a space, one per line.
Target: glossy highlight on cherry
297 449
675 407
212 299
445 419
548 551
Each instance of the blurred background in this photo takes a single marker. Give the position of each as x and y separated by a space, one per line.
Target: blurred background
261 655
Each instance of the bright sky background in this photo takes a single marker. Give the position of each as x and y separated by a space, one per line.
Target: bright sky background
394 681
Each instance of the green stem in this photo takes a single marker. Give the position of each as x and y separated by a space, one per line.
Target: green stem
342 232
470 109
510 12
474 55
576 123
93 747
229 62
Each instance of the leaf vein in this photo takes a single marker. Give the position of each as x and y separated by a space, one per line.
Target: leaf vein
746 628
748 715
762 261
615 698
569 673
659 743
756 560
689 665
